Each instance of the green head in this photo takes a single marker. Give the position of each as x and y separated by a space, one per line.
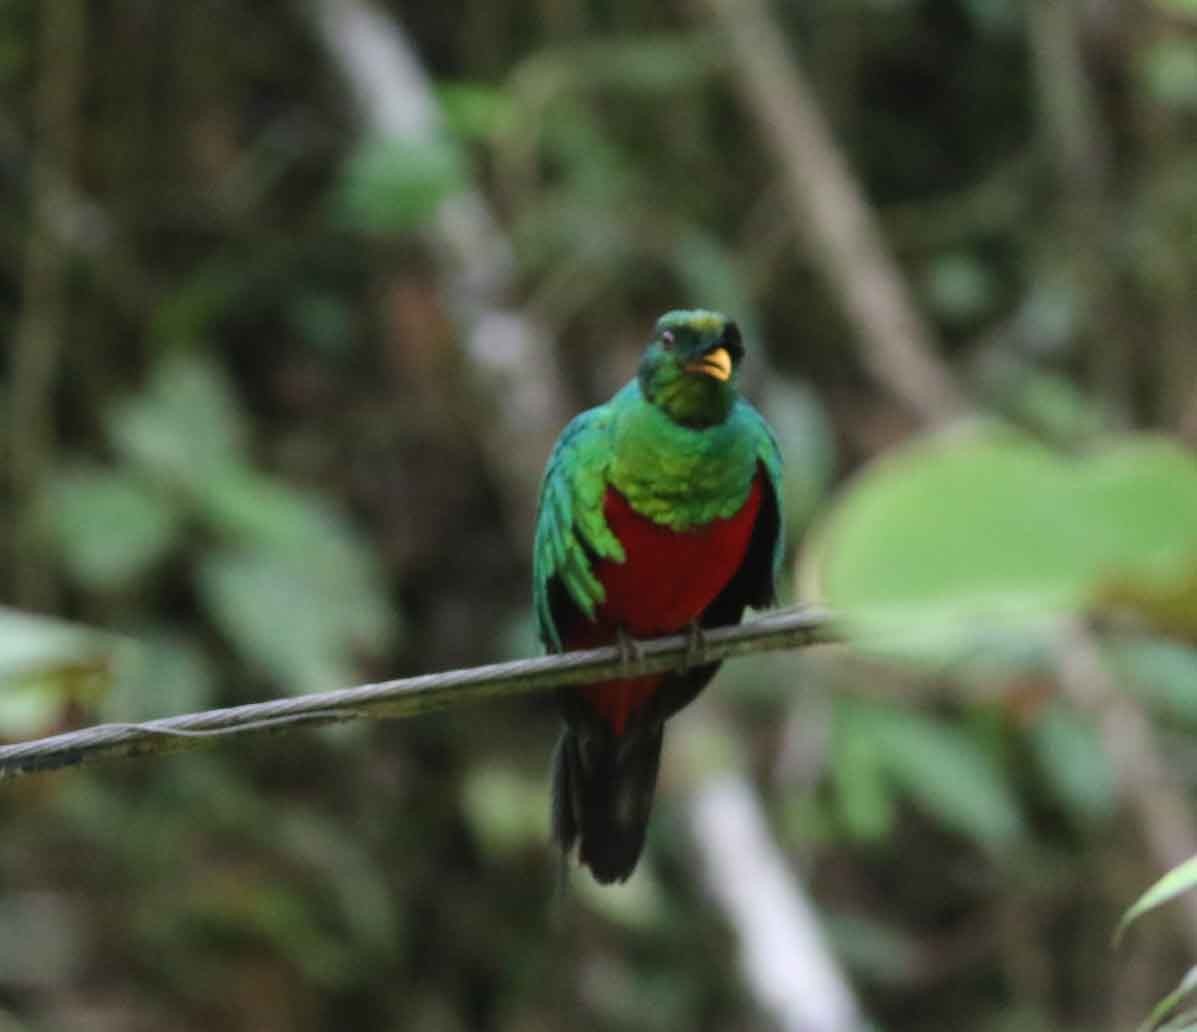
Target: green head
689 368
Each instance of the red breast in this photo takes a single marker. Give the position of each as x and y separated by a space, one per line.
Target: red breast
668 578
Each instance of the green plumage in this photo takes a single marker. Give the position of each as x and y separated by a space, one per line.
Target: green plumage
678 476
690 476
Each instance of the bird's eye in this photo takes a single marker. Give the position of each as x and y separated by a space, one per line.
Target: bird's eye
667 340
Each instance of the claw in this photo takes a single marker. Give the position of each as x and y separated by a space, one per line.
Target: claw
696 646
629 653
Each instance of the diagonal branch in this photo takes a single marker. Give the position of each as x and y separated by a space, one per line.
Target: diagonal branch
1150 790
790 628
783 952
829 213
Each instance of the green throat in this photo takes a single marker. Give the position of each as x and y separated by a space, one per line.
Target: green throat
676 475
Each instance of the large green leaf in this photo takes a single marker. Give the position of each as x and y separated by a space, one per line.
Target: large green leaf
957 535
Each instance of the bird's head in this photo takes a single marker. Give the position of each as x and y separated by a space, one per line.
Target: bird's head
689 368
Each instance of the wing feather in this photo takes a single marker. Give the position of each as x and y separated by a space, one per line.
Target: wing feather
570 527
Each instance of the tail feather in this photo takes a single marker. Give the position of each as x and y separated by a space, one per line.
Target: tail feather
603 787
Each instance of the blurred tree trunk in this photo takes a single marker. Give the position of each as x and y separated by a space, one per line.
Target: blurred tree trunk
44 312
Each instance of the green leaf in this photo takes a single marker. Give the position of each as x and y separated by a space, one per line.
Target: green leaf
166 672
880 751
638 904
648 64
1170 1002
947 531
111 527
965 533
476 111
46 664
391 186
184 426
324 321
1140 495
505 808
1180 879
959 287
1069 753
303 623
864 798
1169 72
350 873
1160 672
994 16
1185 1021
305 531
943 769
807 445
1060 410
263 512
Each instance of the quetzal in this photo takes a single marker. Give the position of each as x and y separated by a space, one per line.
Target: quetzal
659 511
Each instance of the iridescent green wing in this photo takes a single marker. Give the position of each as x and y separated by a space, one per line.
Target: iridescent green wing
570 527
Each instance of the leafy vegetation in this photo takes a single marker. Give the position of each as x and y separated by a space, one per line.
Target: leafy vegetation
256 449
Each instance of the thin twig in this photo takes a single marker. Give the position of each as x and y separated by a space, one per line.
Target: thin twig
791 628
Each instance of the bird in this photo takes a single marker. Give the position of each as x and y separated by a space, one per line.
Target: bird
659 513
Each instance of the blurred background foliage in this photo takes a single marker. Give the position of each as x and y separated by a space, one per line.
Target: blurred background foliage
256 447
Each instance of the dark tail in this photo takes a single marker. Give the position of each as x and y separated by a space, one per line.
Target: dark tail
603 789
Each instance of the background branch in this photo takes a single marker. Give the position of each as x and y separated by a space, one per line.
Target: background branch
1151 792
829 213
1074 139
786 962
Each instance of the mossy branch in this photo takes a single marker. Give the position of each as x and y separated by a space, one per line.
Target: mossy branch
786 629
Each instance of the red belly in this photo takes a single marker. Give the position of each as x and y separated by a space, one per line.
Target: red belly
668 579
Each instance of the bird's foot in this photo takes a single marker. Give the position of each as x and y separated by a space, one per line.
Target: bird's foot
630 653
696 646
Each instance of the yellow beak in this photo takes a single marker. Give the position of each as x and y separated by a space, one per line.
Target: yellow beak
717 364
